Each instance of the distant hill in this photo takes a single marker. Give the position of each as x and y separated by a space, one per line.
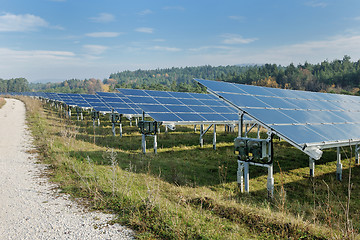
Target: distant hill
337 76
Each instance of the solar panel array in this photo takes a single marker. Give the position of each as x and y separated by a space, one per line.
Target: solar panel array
300 116
120 103
181 107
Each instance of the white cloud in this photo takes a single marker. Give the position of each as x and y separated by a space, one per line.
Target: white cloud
357 18
103 34
103 18
145 12
144 30
316 3
236 39
95 49
15 55
211 48
21 23
166 49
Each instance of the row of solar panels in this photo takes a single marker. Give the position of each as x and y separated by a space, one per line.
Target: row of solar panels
303 118
166 107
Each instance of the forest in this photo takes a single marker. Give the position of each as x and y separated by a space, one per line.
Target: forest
14 85
337 76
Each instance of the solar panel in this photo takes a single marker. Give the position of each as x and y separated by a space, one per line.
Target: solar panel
96 103
119 103
303 118
181 107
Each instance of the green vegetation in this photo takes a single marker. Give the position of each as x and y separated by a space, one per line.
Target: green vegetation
14 85
188 192
337 76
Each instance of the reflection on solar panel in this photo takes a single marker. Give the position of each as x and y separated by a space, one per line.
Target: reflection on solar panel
303 118
181 107
120 103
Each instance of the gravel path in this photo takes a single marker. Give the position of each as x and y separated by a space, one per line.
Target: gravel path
30 206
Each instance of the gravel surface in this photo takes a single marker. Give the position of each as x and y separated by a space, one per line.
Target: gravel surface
30 206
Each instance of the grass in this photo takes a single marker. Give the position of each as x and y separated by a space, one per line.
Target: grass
2 102
188 192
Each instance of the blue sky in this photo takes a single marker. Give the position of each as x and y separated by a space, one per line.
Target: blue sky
55 40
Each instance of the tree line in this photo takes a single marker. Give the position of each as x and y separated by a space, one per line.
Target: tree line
337 76
14 85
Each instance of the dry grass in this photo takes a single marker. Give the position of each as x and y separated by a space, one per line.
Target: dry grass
2 102
183 192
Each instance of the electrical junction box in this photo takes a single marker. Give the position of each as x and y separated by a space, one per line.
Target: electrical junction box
148 127
114 117
94 115
253 150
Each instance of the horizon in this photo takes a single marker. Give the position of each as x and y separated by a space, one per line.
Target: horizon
58 40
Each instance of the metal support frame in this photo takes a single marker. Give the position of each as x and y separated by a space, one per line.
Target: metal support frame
243 173
143 139
312 166
143 142
203 132
195 128
214 137
240 175
69 112
357 154
243 176
338 165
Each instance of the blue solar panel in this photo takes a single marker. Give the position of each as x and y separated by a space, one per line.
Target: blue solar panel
301 117
181 107
119 103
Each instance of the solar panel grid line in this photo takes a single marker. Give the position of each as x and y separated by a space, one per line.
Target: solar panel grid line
180 107
318 119
116 102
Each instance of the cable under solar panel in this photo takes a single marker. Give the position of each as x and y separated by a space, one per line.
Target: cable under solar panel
304 118
181 107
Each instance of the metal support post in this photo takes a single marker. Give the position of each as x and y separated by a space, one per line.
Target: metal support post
155 144
143 143
166 129
338 165
246 176
312 167
258 131
214 138
120 126
98 122
131 122
240 175
136 121
241 123
246 129
356 154
81 116
194 128
270 181
201 135
113 129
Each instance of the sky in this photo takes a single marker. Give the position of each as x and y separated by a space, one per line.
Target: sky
56 40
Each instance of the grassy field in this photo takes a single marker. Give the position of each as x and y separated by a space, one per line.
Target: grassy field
2 102
188 192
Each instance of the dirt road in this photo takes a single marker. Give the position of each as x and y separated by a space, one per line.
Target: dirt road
30 206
